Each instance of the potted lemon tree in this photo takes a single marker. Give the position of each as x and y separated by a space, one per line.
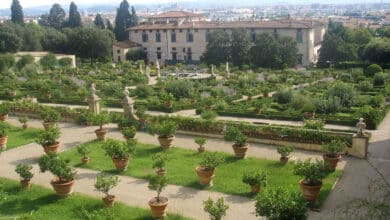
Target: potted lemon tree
240 145
159 162
158 204
216 209
23 121
5 108
332 152
201 141
50 118
312 173
48 139
166 131
120 152
284 152
63 172
206 168
83 150
255 179
24 171
129 132
100 120
104 183
4 127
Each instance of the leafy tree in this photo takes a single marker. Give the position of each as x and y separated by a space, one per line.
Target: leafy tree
109 25
48 62
54 40
288 51
264 53
99 21
372 69
17 12
56 16
24 60
32 37
217 49
9 42
335 49
136 54
122 21
74 16
6 62
346 93
239 47
378 51
134 17
361 36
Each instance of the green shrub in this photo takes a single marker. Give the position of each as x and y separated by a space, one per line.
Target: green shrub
49 137
23 120
346 77
4 128
129 132
209 115
101 119
211 160
346 93
83 150
65 62
50 115
48 62
143 91
372 116
334 148
216 210
163 129
283 96
6 62
200 141
180 88
104 183
255 178
312 172
330 105
119 149
365 86
158 183
379 79
24 60
281 204
316 124
5 108
24 170
372 69
284 151
377 101
57 166
159 160
235 135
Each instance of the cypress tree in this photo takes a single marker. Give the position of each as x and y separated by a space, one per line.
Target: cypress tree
74 16
109 25
99 21
122 21
17 12
56 16
134 17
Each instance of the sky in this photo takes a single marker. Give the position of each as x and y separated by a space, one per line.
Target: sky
32 3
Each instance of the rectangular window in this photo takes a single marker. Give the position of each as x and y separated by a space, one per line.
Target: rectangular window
158 37
299 36
190 37
118 51
159 55
253 36
119 58
145 37
184 50
207 36
173 37
276 34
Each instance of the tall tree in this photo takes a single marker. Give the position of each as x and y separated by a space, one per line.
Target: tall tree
122 21
32 37
99 21
239 47
134 17
218 48
288 52
10 38
17 12
56 17
74 16
264 53
109 25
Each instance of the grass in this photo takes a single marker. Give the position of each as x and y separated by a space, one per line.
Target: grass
181 169
40 203
18 136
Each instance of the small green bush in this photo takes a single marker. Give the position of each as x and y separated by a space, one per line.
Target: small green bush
129 132
200 141
4 128
101 119
119 149
216 210
50 115
211 160
316 124
104 183
24 170
5 108
57 166
334 148
49 137
312 172
163 129
158 183
372 69
209 115
284 151
23 120
379 79
235 135
255 178
83 150
159 160
283 96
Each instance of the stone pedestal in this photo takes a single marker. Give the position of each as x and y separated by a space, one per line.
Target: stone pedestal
359 146
94 104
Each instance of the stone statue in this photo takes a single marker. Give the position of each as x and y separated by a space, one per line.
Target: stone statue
158 69
361 126
227 70
128 106
177 72
212 70
94 100
147 71
141 70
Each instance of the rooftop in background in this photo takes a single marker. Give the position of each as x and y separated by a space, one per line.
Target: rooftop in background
126 44
175 14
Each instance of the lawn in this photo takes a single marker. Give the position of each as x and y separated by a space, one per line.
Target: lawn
182 163
18 136
40 203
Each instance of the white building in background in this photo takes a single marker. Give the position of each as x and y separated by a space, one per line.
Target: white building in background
182 36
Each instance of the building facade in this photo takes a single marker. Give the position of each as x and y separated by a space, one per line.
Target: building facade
182 36
120 49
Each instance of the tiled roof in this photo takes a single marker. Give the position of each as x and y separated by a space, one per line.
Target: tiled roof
285 23
126 44
175 14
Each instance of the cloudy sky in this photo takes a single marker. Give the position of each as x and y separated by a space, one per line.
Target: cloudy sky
31 3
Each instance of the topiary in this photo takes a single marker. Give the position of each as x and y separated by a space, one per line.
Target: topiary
372 69
216 210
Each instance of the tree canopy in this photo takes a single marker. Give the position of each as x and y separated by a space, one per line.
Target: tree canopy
124 20
99 22
217 49
74 16
17 15
56 16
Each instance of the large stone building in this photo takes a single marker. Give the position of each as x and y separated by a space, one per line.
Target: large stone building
183 36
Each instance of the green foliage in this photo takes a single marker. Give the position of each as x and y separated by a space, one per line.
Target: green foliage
124 20
83 150
136 54
327 106
5 108
129 132
99 21
166 97
105 183
200 141
239 47
24 60
312 172
235 135
216 210
6 60
346 93
316 124
180 88
50 115
17 12
283 96
23 120
48 62
143 91
209 115
218 48
255 178
163 129
372 116
48 138
211 160
281 204
378 50
379 79
372 70
24 170
159 160
65 62
334 148
285 150
56 18
57 166
101 119
158 183
119 149
74 16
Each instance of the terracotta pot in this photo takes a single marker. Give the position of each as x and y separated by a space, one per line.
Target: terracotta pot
161 172
310 193
4 117
283 160
3 142
52 148
108 200
166 142
257 111
255 189
62 189
309 114
168 104
331 161
25 184
101 134
84 160
208 107
121 163
48 125
12 93
205 175
25 126
265 94
201 149
240 152
158 207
